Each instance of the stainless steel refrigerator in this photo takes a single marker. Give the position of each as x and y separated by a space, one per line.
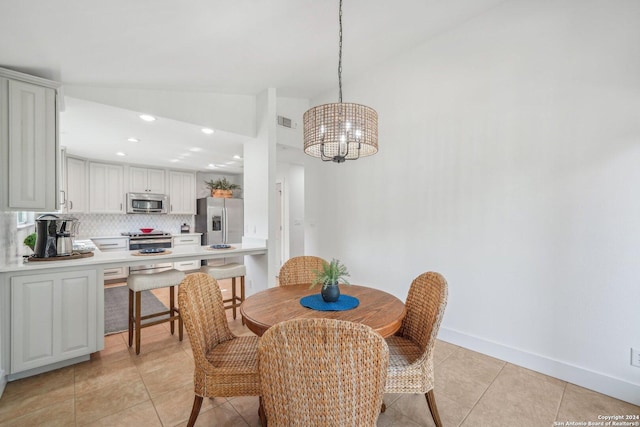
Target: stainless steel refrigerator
221 221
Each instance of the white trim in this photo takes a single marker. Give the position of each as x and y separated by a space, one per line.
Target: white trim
3 382
597 381
16 75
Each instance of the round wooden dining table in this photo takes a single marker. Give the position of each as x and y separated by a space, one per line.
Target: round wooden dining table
377 309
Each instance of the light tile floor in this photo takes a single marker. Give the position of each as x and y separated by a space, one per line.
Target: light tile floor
118 388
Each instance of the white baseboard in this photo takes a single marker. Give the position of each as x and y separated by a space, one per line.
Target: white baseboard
3 382
596 381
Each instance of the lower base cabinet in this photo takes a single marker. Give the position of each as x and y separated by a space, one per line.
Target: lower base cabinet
53 318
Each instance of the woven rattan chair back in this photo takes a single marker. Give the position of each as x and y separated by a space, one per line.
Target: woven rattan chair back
200 299
322 372
299 270
425 306
411 348
225 365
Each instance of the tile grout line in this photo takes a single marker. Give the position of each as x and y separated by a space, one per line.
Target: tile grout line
564 391
483 393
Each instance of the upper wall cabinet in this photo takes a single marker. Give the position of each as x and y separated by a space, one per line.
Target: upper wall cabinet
29 159
76 185
143 180
106 189
182 192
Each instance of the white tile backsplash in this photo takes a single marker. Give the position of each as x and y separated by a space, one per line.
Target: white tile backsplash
102 225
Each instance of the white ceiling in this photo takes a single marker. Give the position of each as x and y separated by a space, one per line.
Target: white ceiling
99 131
239 47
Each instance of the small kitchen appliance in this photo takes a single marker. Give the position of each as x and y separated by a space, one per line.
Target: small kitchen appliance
54 236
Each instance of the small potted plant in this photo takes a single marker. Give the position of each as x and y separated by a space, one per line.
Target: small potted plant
330 276
221 187
30 241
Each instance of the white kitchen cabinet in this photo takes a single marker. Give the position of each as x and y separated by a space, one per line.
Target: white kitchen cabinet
182 192
76 185
29 152
188 240
106 189
144 180
112 244
53 318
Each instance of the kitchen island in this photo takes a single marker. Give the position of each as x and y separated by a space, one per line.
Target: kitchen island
52 312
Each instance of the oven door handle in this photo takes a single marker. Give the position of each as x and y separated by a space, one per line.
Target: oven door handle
147 241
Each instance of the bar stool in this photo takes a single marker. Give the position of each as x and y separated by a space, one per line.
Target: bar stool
229 271
144 282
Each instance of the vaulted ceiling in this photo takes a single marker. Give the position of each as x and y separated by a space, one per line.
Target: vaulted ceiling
236 47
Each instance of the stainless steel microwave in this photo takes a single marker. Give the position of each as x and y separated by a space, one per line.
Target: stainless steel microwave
147 203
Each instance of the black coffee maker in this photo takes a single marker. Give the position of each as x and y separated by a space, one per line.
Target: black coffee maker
53 236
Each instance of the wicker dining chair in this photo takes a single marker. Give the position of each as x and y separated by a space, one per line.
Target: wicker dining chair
411 348
322 372
300 269
225 365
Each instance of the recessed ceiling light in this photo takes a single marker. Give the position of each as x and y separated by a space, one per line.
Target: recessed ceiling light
133 140
207 131
211 165
147 117
174 160
195 149
229 163
237 157
120 153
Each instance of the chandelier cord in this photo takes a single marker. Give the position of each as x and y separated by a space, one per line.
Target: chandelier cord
340 56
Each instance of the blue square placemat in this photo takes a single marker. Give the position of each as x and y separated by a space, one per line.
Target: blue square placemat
315 302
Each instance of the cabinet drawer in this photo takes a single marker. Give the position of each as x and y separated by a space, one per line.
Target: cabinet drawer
116 273
186 240
112 244
187 265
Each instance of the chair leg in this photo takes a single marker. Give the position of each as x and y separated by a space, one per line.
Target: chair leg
242 293
383 408
233 296
195 410
130 317
431 401
171 305
138 322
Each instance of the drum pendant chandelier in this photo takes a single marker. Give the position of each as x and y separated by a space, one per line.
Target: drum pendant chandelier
340 131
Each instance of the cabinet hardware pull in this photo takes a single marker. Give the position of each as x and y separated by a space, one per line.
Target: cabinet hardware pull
102 245
70 204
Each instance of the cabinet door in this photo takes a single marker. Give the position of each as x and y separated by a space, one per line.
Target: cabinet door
182 192
137 180
106 191
76 185
53 318
32 160
155 181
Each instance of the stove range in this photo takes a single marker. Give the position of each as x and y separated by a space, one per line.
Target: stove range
152 240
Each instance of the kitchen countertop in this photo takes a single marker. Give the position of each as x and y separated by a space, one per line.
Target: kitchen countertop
128 259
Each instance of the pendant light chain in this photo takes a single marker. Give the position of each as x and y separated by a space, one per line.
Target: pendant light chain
337 132
340 56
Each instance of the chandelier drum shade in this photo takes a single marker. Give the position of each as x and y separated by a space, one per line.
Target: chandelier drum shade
340 131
